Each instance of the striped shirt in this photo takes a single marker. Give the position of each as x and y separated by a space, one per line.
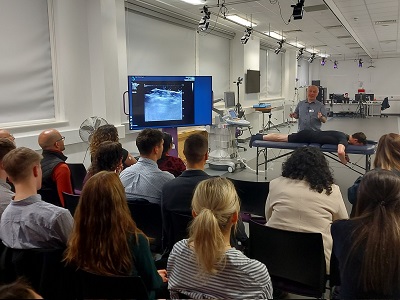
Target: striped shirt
241 278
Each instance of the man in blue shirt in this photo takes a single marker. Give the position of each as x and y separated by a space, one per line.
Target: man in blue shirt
144 180
310 113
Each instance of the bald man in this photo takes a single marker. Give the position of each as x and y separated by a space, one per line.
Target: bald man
5 134
310 113
56 174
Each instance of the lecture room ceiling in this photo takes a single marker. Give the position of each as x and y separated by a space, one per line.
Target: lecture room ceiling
343 29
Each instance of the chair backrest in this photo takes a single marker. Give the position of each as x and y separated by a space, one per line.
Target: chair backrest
41 267
385 103
179 227
148 219
50 196
253 195
78 173
71 202
93 286
295 260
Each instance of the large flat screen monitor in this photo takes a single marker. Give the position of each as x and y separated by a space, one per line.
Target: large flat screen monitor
169 101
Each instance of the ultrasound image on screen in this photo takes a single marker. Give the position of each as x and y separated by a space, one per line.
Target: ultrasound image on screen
162 102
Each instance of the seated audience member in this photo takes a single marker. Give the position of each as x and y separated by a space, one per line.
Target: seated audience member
56 174
110 243
387 157
177 194
6 194
367 246
108 157
18 289
346 98
171 164
144 180
205 265
28 222
5 134
109 133
304 198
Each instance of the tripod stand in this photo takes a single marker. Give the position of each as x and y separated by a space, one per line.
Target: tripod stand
360 110
239 109
270 124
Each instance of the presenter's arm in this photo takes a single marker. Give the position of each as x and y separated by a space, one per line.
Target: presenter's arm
341 153
295 114
321 117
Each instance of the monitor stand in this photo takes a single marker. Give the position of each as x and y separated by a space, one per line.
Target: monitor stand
174 133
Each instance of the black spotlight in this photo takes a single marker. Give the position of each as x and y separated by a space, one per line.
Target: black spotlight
300 53
205 20
278 50
298 10
311 59
246 35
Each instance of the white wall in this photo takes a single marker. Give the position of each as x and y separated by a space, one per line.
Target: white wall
90 63
383 80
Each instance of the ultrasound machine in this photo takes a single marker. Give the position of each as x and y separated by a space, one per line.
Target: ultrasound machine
225 157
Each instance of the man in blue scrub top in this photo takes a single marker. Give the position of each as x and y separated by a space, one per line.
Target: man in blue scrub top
310 113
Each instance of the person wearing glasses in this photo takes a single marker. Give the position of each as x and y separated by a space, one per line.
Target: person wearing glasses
56 174
5 134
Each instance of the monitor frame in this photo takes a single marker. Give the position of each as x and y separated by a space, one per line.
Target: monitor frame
184 101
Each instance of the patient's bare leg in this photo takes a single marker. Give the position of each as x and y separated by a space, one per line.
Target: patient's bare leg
276 137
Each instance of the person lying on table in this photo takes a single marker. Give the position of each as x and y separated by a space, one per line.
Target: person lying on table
318 137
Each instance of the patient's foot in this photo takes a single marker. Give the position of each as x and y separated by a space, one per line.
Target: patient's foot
256 137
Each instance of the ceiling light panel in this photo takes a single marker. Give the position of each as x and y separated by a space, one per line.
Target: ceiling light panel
241 21
296 44
275 35
195 2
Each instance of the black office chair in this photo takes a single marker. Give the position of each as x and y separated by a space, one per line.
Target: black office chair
42 268
71 202
50 196
93 286
385 105
253 196
78 173
334 275
295 260
148 219
179 227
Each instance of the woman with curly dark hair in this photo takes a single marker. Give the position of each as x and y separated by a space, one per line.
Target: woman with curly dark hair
304 198
108 157
109 132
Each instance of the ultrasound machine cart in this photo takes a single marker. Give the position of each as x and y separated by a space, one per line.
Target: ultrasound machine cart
225 155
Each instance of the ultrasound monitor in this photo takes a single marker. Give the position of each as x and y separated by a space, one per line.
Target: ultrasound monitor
229 99
169 101
232 114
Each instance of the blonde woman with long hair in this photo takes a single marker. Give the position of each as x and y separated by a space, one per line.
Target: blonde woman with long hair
105 239
205 265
